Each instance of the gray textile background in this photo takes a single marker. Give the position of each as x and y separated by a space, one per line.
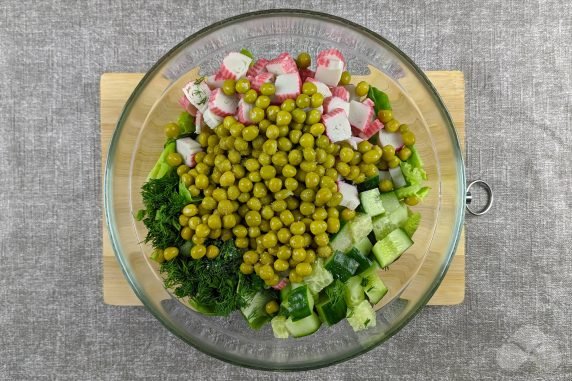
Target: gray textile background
517 316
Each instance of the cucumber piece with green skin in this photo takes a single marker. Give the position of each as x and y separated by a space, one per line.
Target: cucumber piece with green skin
369 183
303 327
341 266
319 279
372 239
254 312
360 226
361 316
382 226
385 224
285 291
331 311
371 202
390 201
354 291
399 215
279 329
364 246
342 241
391 247
363 260
300 303
373 286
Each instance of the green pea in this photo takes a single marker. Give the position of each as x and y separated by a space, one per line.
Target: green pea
284 144
283 118
270 147
271 112
404 153
392 126
303 101
289 171
267 89
256 114
307 140
299 115
228 87
312 180
250 96
294 136
242 86
385 116
362 88
346 78
295 157
262 102
316 100
267 172
309 88
408 138
313 116
304 60
250 133
288 105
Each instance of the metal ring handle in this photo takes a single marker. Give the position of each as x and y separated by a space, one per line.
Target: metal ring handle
469 198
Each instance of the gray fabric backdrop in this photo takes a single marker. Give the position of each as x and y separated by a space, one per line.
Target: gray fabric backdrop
516 319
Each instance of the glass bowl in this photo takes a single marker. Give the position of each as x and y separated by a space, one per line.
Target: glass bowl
138 139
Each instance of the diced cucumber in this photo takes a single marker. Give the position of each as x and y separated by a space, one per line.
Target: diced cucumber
371 202
354 291
363 260
254 312
331 311
384 175
374 287
399 215
303 327
342 241
319 279
341 266
382 226
285 291
364 246
278 324
391 247
385 224
371 237
300 303
411 224
369 183
360 226
361 316
410 190
390 201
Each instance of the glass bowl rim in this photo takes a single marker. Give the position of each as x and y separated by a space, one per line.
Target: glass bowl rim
108 180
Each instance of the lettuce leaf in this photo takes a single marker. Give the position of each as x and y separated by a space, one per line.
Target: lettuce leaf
379 98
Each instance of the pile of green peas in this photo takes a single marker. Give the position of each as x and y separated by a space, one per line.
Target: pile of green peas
271 186
392 159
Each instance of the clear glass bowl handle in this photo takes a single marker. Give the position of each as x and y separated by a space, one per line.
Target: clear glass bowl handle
469 197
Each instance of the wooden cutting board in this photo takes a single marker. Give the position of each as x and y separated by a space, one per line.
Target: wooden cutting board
115 88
